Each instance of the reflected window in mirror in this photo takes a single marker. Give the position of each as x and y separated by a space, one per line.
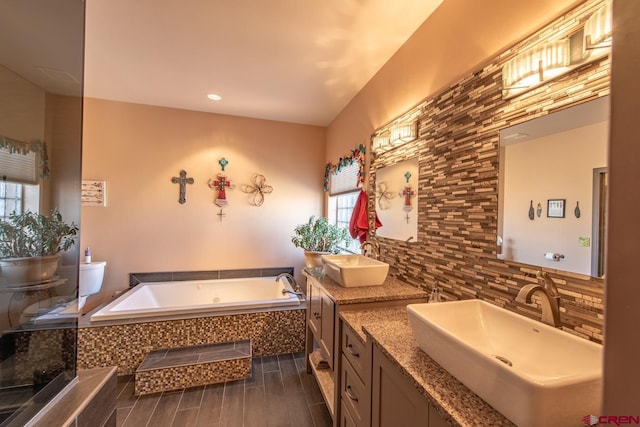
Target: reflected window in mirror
343 195
10 198
562 155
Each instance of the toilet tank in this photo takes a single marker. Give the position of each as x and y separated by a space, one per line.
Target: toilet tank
91 275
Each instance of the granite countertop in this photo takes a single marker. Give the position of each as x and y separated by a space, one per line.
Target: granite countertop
389 330
392 289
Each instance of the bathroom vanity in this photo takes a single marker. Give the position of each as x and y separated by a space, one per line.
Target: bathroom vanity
377 375
344 373
405 383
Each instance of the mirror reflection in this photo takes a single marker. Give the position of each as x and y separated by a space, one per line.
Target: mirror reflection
41 71
397 200
552 189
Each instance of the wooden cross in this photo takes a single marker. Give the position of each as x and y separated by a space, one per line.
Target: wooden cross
221 214
221 184
408 194
183 181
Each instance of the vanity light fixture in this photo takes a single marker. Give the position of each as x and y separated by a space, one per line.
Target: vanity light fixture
404 132
535 65
394 136
597 29
381 142
542 63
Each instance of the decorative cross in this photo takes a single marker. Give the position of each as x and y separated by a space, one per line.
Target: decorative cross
384 196
407 218
183 181
221 214
221 184
258 189
407 193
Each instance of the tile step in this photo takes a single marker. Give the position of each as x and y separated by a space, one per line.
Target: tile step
176 368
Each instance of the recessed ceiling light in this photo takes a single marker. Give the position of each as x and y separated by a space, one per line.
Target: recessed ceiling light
214 97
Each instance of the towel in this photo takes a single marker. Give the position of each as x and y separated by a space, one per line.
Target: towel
359 224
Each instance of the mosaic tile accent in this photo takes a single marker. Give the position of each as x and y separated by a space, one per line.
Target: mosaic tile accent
126 345
47 351
172 369
458 154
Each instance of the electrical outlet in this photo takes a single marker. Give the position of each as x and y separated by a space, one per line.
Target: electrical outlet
585 242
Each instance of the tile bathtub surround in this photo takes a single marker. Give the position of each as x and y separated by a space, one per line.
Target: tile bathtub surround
457 211
125 345
168 276
173 369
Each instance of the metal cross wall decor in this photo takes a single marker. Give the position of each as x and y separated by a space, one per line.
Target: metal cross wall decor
258 189
183 181
383 195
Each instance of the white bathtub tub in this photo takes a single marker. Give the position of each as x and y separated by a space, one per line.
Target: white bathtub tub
154 299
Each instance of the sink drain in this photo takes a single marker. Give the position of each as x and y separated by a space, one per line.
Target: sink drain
503 360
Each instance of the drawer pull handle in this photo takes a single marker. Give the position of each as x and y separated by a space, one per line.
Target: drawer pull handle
350 394
316 315
352 351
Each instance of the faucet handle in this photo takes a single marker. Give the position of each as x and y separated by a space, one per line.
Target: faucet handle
549 284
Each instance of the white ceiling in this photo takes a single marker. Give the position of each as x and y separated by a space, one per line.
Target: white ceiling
297 61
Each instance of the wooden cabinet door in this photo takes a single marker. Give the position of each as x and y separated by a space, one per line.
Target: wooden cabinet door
395 401
315 309
327 321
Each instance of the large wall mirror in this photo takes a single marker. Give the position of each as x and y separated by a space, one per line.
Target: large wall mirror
41 78
553 187
397 200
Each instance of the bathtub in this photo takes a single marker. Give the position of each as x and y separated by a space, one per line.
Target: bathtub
153 299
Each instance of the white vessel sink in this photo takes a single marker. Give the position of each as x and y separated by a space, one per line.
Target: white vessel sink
355 270
534 374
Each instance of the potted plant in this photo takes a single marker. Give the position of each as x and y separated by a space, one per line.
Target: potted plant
30 244
318 237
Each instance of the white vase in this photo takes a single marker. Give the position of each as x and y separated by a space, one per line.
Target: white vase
312 258
31 270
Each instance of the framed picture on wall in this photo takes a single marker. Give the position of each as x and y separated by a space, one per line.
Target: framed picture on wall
94 193
555 208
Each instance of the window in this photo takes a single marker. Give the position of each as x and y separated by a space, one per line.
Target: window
10 198
343 194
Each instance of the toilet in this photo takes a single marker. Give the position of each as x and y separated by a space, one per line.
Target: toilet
89 283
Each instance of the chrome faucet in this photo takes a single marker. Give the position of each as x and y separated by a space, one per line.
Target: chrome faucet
297 290
374 248
549 301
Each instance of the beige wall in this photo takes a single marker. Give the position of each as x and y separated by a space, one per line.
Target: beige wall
557 166
458 37
136 149
22 107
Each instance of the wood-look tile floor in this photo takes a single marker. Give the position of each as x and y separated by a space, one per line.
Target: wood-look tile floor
279 393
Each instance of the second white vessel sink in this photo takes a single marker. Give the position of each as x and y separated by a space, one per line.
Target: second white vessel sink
534 374
355 270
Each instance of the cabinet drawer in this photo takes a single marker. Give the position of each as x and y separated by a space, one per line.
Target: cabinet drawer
353 393
346 420
354 350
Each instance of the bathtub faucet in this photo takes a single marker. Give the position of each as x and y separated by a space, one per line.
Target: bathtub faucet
297 290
